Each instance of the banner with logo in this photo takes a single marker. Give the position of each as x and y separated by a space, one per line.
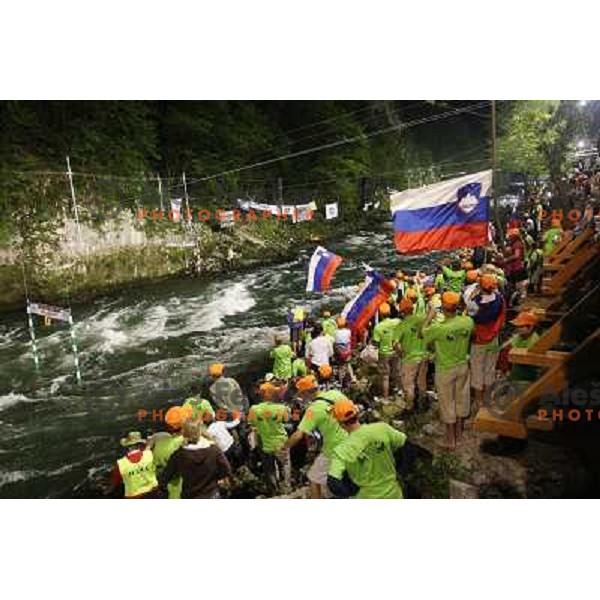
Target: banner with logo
331 211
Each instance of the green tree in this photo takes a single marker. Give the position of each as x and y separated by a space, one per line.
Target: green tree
536 136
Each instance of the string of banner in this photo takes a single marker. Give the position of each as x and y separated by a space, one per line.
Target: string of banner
297 213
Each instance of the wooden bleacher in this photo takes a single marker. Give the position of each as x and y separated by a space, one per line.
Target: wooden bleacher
574 257
577 269
569 304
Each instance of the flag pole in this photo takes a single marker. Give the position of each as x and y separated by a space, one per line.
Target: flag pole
495 165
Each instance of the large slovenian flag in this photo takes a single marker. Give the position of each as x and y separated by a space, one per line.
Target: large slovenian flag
441 216
362 308
323 265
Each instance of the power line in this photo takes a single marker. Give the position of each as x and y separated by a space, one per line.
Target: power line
411 171
337 143
351 140
90 175
339 117
407 125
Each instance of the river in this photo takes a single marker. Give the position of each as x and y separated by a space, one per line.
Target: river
141 349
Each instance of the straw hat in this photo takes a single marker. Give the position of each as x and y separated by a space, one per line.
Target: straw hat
133 438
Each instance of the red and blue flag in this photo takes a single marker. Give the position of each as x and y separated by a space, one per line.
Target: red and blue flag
322 267
362 308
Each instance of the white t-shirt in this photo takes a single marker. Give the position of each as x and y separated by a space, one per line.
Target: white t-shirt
472 308
320 350
342 338
219 429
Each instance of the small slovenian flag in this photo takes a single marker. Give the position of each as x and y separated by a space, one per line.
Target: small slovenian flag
323 265
442 216
362 308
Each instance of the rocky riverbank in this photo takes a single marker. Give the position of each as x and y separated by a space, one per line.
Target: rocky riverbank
67 276
483 465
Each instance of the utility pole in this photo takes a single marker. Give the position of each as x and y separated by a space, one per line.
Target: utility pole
160 194
495 165
280 190
70 175
187 200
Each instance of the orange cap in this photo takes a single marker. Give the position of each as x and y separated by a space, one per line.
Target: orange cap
450 299
306 383
268 391
344 410
216 369
384 309
525 318
325 371
176 416
472 276
412 293
467 265
406 306
488 282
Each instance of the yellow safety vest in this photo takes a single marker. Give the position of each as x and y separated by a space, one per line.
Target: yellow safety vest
140 477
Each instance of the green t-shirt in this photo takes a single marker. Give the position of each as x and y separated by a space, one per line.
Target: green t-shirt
166 444
268 419
201 408
438 282
536 258
451 340
420 305
318 416
411 340
455 280
306 337
299 368
282 356
385 335
523 372
329 327
551 238
367 454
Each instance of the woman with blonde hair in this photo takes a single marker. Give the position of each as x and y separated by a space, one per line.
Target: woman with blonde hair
199 462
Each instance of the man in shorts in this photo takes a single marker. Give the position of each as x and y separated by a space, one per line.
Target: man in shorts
384 337
414 354
318 416
488 312
451 340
